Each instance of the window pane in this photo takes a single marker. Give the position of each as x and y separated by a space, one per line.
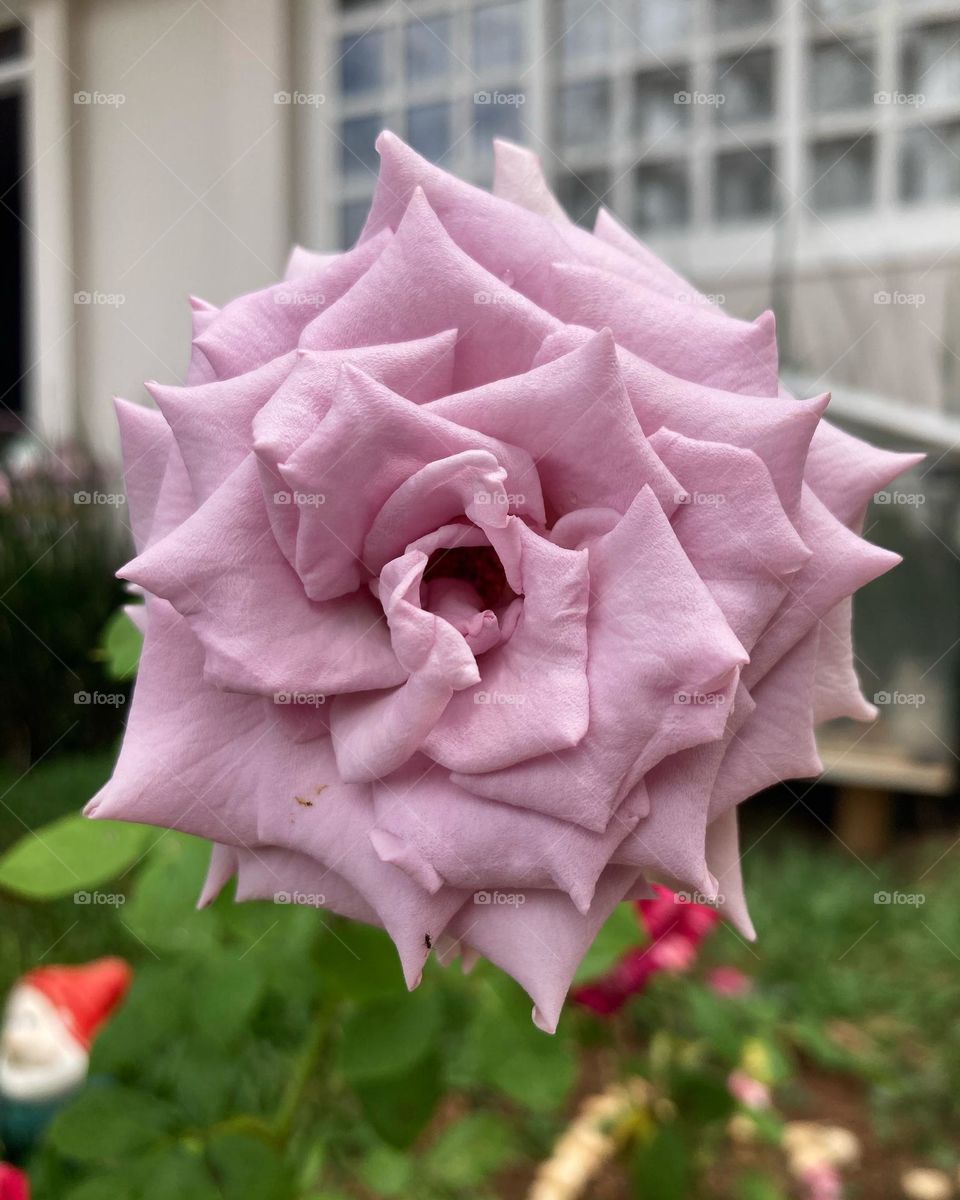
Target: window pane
660 24
584 29
663 102
735 14
585 113
842 75
496 114
930 163
428 48
843 173
352 218
11 41
743 184
746 84
361 62
931 61
358 154
581 193
662 195
497 36
428 130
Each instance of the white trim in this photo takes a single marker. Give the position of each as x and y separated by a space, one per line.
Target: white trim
52 408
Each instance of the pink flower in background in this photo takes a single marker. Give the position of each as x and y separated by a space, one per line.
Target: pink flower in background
821 1182
728 981
486 572
14 1185
749 1092
675 928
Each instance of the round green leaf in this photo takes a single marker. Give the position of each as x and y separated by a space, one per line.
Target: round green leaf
106 1123
71 855
385 1037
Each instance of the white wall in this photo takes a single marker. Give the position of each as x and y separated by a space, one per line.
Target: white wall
183 187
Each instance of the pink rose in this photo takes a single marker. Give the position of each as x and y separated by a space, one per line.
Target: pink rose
749 1092
675 927
487 570
728 981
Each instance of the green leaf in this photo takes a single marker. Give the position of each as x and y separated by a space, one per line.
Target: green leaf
360 963
620 932
162 912
120 646
227 992
71 855
468 1152
661 1168
173 1174
108 1122
244 1167
385 1037
386 1171
505 1050
399 1107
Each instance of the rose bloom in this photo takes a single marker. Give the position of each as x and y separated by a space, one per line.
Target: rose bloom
729 982
487 568
676 930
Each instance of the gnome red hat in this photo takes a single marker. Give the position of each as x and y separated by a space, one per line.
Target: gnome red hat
84 996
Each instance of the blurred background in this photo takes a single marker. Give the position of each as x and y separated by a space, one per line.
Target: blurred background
801 155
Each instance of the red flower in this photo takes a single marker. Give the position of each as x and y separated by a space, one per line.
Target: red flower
675 927
14 1185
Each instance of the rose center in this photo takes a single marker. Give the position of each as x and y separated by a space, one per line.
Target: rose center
477 565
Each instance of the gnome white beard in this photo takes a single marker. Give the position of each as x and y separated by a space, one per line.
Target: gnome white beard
39 1057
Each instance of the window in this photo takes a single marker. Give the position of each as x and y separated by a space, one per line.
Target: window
745 82
428 54
843 173
498 36
675 111
743 184
585 113
663 195
662 102
842 75
582 193
930 163
361 62
931 62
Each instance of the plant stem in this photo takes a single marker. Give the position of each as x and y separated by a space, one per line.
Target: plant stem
303 1071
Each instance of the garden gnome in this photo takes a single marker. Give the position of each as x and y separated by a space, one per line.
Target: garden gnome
51 1018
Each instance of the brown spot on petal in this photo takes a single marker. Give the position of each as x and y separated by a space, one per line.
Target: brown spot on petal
305 803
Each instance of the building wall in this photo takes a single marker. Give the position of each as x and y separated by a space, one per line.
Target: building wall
181 184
